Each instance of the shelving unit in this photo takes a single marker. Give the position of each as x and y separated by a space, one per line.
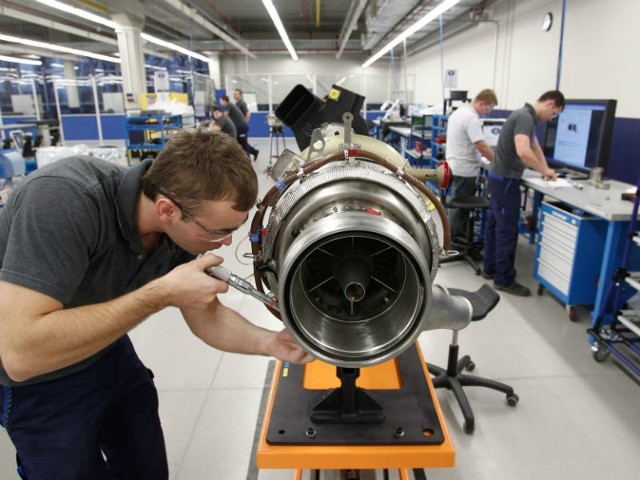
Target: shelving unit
437 147
622 336
419 144
438 138
145 136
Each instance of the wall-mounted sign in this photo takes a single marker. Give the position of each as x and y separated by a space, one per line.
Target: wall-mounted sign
161 81
451 79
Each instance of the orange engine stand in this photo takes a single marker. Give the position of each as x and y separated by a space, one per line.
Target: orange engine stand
291 440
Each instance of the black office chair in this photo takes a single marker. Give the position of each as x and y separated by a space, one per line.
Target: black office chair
483 301
469 247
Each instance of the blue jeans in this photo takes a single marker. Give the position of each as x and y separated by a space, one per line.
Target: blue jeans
62 428
501 229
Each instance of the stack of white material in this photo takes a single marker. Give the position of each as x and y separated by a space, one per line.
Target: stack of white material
47 155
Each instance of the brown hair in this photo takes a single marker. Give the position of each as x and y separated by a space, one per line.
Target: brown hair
198 165
555 95
487 96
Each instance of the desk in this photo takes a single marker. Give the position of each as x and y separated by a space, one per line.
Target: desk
386 125
401 130
408 148
404 134
606 204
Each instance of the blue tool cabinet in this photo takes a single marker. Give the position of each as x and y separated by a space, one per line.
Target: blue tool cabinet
568 254
146 135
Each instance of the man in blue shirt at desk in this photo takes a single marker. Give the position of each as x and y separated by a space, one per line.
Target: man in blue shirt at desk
517 149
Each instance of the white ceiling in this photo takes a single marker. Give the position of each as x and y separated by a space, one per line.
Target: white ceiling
314 26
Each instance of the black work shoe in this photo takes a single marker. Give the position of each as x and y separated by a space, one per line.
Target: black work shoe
514 289
487 276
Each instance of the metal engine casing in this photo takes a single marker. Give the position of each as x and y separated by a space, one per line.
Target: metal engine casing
355 251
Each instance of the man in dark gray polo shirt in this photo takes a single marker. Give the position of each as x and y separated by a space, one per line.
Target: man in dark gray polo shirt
517 149
89 250
223 123
242 127
241 104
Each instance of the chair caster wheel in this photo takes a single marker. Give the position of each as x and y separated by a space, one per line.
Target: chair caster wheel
512 400
600 354
470 367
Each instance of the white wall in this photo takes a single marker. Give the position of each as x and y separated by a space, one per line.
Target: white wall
512 54
509 53
602 52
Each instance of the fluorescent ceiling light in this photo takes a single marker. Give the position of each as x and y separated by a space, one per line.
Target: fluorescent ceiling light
429 17
153 67
4 58
79 12
275 18
57 48
111 24
173 46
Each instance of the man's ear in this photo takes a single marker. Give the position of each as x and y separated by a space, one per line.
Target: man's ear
165 209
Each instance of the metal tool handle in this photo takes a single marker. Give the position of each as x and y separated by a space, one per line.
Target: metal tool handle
224 274
219 272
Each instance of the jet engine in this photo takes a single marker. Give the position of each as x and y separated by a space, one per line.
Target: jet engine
348 241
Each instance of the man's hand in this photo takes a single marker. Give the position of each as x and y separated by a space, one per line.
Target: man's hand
283 347
188 286
549 174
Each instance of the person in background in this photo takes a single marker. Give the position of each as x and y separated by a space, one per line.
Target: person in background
517 149
241 104
465 147
89 250
238 119
223 123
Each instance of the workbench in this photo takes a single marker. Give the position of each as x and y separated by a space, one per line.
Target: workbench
582 199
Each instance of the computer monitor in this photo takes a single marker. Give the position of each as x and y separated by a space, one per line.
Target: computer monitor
417 122
491 128
579 138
